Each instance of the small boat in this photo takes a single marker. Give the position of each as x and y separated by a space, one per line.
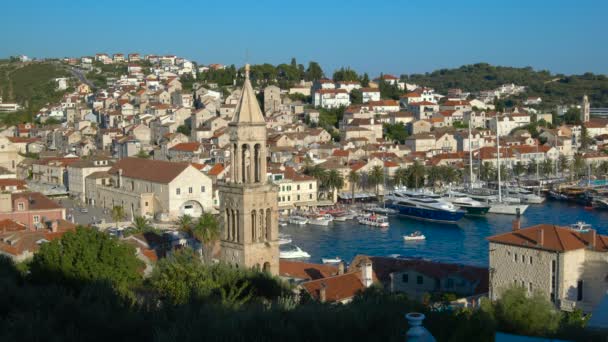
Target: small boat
600 202
296 253
335 260
284 239
321 220
374 221
580 227
299 220
415 236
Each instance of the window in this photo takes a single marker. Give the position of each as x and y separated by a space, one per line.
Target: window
20 206
203 188
298 187
146 204
450 283
289 198
190 190
178 191
530 287
553 269
310 186
579 290
310 196
36 219
515 257
530 260
298 197
405 278
419 280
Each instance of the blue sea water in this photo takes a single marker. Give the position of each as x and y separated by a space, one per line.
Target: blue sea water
463 243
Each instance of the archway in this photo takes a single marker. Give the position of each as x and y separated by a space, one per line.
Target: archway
266 267
191 208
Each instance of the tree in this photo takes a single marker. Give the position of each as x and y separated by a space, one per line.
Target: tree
184 222
547 167
142 154
345 74
395 132
401 176
333 181
184 129
356 96
86 255
353 179
142 224
577 166
487 171
518 169
365 80
314 72
520 313
586 139
416 173
118 213
376 177
207 230
563 163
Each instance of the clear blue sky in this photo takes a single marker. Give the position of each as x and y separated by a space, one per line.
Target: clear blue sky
373 36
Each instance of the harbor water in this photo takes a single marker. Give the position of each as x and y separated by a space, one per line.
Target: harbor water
464 242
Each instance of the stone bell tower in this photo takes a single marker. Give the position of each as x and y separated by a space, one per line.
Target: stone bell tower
248 208
585 109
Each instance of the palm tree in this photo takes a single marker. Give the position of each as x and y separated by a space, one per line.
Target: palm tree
333 181
487 171
353 178
400 177
416 172
547 167
563 163
376 177
602 169
433 175
141 224
319 173
578 165
118 213
184 222
206 229
518 169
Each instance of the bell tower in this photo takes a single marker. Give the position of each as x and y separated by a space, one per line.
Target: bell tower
248 202
585 109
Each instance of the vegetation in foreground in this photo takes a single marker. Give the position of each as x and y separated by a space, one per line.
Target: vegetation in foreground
71 292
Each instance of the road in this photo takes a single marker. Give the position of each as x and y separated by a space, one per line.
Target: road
80 75
92 214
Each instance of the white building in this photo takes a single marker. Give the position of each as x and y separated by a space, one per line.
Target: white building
370 94
331 98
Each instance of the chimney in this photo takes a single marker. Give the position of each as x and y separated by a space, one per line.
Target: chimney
366 272
516 224
340 268
323 293
590 237
540 241
54 226
417 333
119 178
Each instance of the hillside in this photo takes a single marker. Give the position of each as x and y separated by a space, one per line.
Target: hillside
554 89
29 84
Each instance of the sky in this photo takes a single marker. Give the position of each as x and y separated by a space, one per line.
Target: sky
396 37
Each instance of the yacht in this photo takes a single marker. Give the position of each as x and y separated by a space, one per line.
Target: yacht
296 253
498 205
424 206
580 227
284 239
471 206
299 220
320 220
415 236
383 211
335 260
527 196
374 220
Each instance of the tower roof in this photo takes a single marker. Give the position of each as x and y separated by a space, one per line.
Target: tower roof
248 110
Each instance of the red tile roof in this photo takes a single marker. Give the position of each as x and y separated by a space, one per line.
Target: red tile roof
216 170
337 288
151 170
552 238
306 271
186 147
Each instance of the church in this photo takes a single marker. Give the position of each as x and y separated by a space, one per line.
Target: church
249 209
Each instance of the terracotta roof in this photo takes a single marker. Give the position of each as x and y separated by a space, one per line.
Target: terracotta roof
369 90
16 243
216 170
337 288
306 271
8 225
422 103
340 153
37 201
186 147
10 182
552 238
150 170
332 91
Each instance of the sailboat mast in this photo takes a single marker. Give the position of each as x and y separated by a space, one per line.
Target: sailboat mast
498 160
470 153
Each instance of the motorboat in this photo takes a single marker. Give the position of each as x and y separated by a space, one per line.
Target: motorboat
580 227
335 260
507 208
299 220
503 205
284 239
320 220
415 236
527 196
296 253
471 206
374 220
424 206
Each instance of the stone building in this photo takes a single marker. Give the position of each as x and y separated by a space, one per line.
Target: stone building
570 268
272 99
151 187
248 208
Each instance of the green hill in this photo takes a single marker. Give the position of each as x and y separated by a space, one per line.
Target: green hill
553 88
30 84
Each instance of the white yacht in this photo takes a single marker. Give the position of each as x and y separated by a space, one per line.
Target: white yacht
335 260
498 204
299 220
424 206
580 227
415 236
526 196
320 220
296 253
471 206
374 220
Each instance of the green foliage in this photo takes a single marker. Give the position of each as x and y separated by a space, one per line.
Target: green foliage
118 213
187 82
554 89
345 74
356 96
375 178
142 154
330 117
395 132
313 72
519 313
388 91
86 255
184 129
206 229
